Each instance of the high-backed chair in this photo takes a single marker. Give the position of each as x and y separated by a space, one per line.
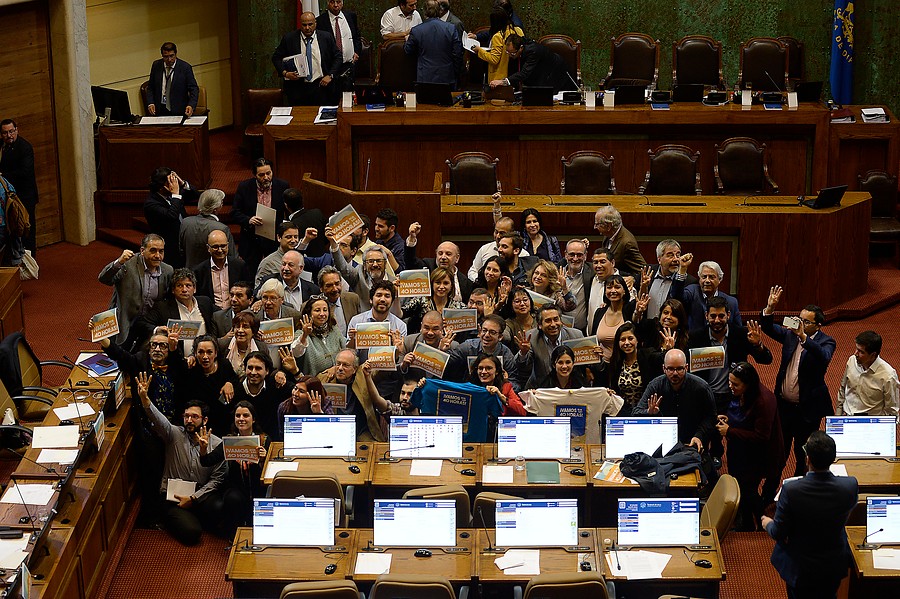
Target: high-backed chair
484 509
145 86
884 227
674 170
322 589
288 484
457 493
567 586
722 506
697 60
635 61
396 68
259 102
475 73
764 65
22 374
365 73
414 586
742 167
587 172
795 57
473 173
568 49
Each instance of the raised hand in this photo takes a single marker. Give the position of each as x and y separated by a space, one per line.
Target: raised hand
288 361
228 391
642 302
505 286
523 340
306 324
653 404
668 338
489 305
310 234
446 340
315 402
646 278
754 332
143 384
125 257
684 261
202 438
774 297
414 230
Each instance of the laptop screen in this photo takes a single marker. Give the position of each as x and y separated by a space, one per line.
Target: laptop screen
319 435
863 436
659 522
535 438
293 522
537 523
883 520
415 523
426 436
628 435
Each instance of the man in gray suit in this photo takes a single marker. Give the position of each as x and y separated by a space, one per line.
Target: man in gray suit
195 229
536 345
344 304
241 298
139 280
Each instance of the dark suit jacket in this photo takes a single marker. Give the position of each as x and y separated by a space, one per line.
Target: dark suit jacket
251 247
184 86
222 319
312 217
626 253
164 215
292 43
815 399
349 305
167 308
237 271
413 262
694 303
539 66
17 165
738 348
689 280
128 295
306 288
439 50
323 23
811 543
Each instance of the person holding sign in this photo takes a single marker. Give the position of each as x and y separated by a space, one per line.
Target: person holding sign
346 371
181 304
431 333
488 372
320 340
753 432
442 293
386 407
266 387
244 477
381 297
544 278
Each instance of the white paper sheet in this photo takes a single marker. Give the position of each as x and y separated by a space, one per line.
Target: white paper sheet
520 562
57 456
160 120
886 559
637 565
274 468
373 563
469 44
497 474
13 551
179 487
280 120
281 111
53 437
74 410
267 228
31 494
195 120
838 469
425 467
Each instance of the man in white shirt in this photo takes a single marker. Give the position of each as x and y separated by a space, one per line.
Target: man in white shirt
342 24
870 384
396 22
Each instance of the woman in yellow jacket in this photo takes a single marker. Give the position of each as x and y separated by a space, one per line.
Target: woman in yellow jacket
496 56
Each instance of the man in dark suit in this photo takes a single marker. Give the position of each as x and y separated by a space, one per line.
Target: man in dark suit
173 90
241 298
305 218
438 47
215 275
657 280
448 17
17 166
696 297
536 345
321 61
180 304
811 552
579 280
296 290
627 254
533 64
194 230
803 396
343 26
164 209
264 188
446 256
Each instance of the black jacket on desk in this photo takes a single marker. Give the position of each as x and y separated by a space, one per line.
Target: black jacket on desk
815 399
244 208
539 66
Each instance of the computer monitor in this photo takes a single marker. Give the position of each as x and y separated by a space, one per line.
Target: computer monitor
883 520
863 436
114 99
426 436
414 523
535 438
537 95
294 522
536 522
660 522
629 435
319 435
439 94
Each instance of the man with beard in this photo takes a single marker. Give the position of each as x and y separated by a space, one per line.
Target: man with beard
264 188
431 334
536 345
187 515
386 235
381 297
490 332
363 277
211 380
215 275
502 225
696 297
241 294
346 371
17 166
180 304
657 280
446 256
261 388
604 266
578 280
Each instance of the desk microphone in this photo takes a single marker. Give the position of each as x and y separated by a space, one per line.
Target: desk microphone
366 182
534 193
47 469
75 403
490 550
578 87
843 453
494 450
615 551
385 458
865 545
34 530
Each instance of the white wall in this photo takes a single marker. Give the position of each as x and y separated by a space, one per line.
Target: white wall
125 35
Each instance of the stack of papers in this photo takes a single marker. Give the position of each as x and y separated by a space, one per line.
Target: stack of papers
637 565
55 437
326 114
425 467
13 552
874 115
273 468
886 559
74 410
30 494
520 562
497 474
373 563
470 44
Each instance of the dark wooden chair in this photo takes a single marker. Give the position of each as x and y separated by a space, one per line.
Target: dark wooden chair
259 102
885 227
742 167
568 49
764 65
473 173
795 57
697 60
587 172
365 72
396 68
674 170
635 61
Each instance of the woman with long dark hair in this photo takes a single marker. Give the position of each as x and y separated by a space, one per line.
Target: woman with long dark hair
564 374
629 367
487 371
537 241
618 308
494 276
661 334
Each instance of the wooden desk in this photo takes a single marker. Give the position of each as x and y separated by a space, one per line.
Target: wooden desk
395 475
266 572
130 153
554 560
855 148
340 467
456 567
12 312
679 576
875 476
865 580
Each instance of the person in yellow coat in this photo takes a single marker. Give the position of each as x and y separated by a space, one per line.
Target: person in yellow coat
496 56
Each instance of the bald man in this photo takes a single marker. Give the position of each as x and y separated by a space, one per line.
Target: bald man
446 256
216 275
297 289
308 78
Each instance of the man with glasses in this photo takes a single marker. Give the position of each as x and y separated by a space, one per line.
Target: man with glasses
678 393
346 371
446 255
625 250
194 231
431 334
214 276
533 64
803 396
488 342
296 289
578 280
362 277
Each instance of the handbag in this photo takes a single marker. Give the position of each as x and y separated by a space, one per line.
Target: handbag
17 220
